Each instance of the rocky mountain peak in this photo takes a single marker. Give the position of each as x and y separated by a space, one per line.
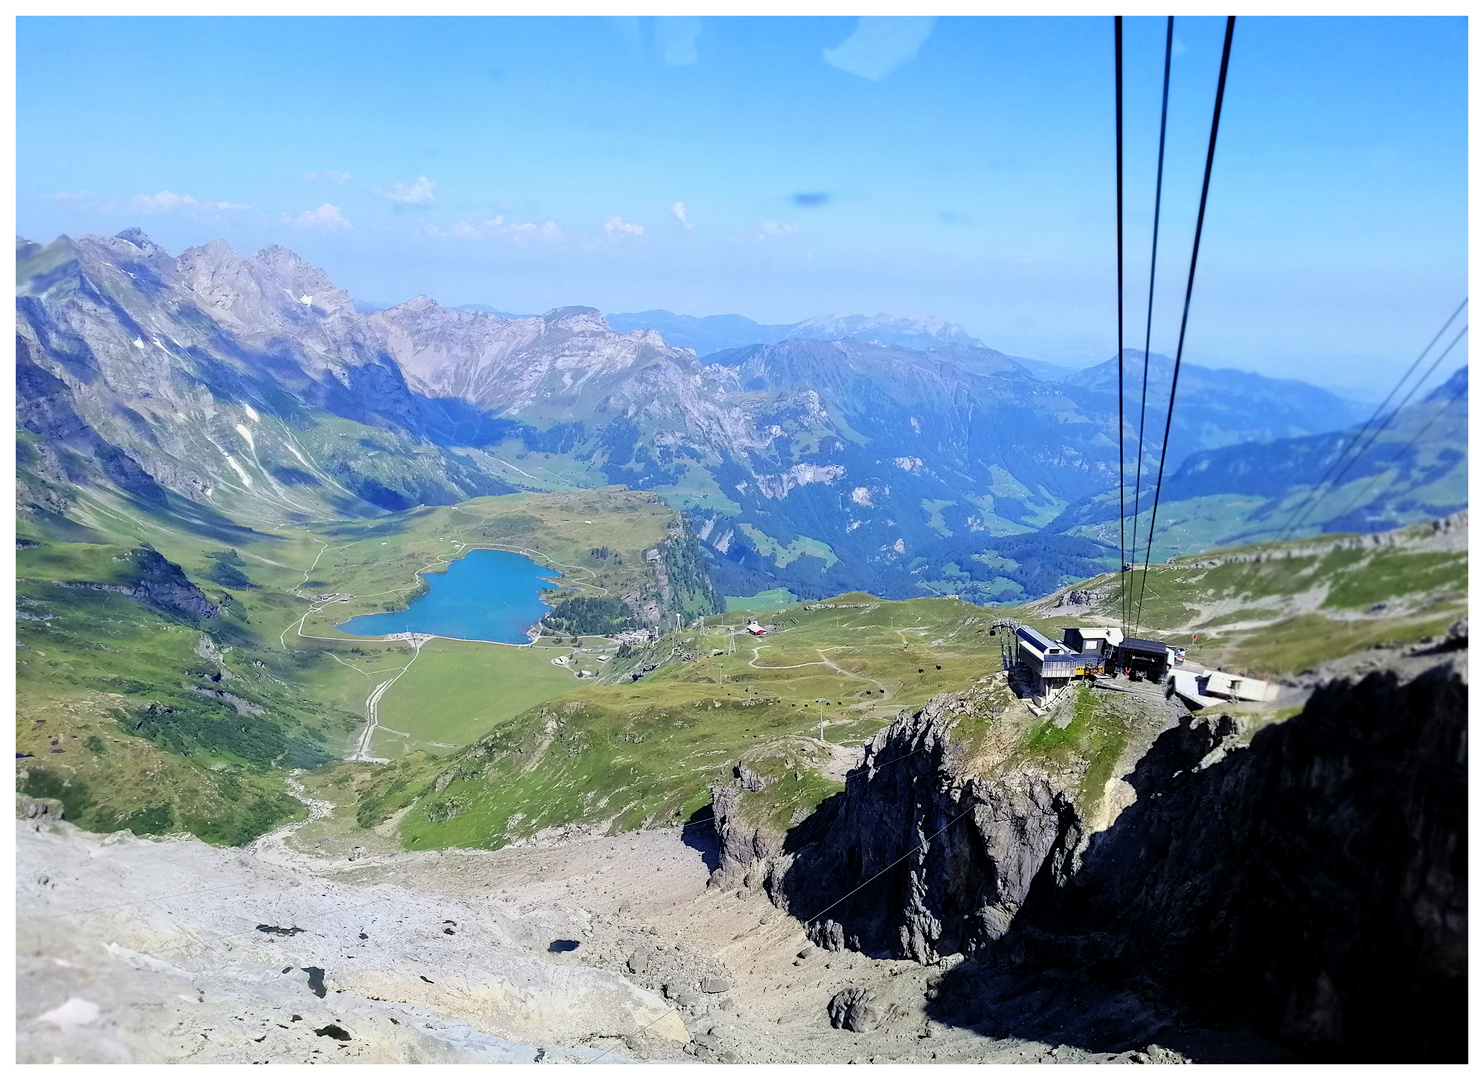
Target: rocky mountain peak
577 320
218 250
417 306
136 236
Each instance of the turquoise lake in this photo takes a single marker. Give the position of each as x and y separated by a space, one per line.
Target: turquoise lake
485 596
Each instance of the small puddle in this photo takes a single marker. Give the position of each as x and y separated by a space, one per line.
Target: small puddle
563 945
316 980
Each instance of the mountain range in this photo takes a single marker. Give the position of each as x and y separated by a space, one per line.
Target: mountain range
717 333
895 456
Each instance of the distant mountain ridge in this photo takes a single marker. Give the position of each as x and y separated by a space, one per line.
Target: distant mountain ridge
252 385
1413 469
717 333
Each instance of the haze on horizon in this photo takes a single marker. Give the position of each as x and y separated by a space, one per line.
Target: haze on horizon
784 168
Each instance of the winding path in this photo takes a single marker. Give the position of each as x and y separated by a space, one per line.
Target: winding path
823 661
272 848
373 702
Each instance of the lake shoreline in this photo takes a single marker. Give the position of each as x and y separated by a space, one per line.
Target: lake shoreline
488 595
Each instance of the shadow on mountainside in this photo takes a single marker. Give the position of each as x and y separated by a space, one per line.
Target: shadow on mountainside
1310 887
699 832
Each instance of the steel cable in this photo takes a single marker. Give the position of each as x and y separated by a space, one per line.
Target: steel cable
1315 494
1123 549
1195 250
1411 443
1159 179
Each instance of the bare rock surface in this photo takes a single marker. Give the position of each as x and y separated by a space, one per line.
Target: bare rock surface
176 951
609 948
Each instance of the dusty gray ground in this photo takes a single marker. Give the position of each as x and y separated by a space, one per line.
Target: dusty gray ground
141 950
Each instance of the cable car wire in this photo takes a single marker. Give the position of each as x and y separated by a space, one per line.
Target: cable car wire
1411 443
1118 169
1340 462
1159 179
1344 460
1387 421
1195 250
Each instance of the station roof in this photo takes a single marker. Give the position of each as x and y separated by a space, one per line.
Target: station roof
1036 638
1143 645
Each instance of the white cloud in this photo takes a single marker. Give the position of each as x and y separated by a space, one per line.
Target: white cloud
161 202
335 176
773 231
419 191
548 231
679 211
323 216
617 227
524 230
881 44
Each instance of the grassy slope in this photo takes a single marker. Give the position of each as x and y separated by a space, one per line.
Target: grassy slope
1283 615
769 600
458 690
91 664
630 755
555 751
633 754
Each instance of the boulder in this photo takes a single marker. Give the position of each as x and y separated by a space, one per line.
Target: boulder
854 1009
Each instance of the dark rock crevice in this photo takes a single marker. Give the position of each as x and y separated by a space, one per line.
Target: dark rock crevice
938 863
1312 885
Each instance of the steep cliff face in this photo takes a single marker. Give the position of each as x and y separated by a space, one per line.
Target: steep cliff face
1308 884
941 861
1313 883
247 383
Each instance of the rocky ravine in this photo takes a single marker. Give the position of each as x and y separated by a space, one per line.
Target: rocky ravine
1305 883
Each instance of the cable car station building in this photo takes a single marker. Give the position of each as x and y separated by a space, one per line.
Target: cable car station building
1141 658
1082 653
1085 652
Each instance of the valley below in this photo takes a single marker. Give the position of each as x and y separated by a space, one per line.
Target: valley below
323 942
716 745
845 841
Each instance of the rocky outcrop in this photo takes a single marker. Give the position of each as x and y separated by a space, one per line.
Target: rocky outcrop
746 849
855 1009
1313 883
1307 884
943 860
1450 533
156 582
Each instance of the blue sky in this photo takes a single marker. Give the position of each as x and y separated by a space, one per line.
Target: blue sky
784 168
